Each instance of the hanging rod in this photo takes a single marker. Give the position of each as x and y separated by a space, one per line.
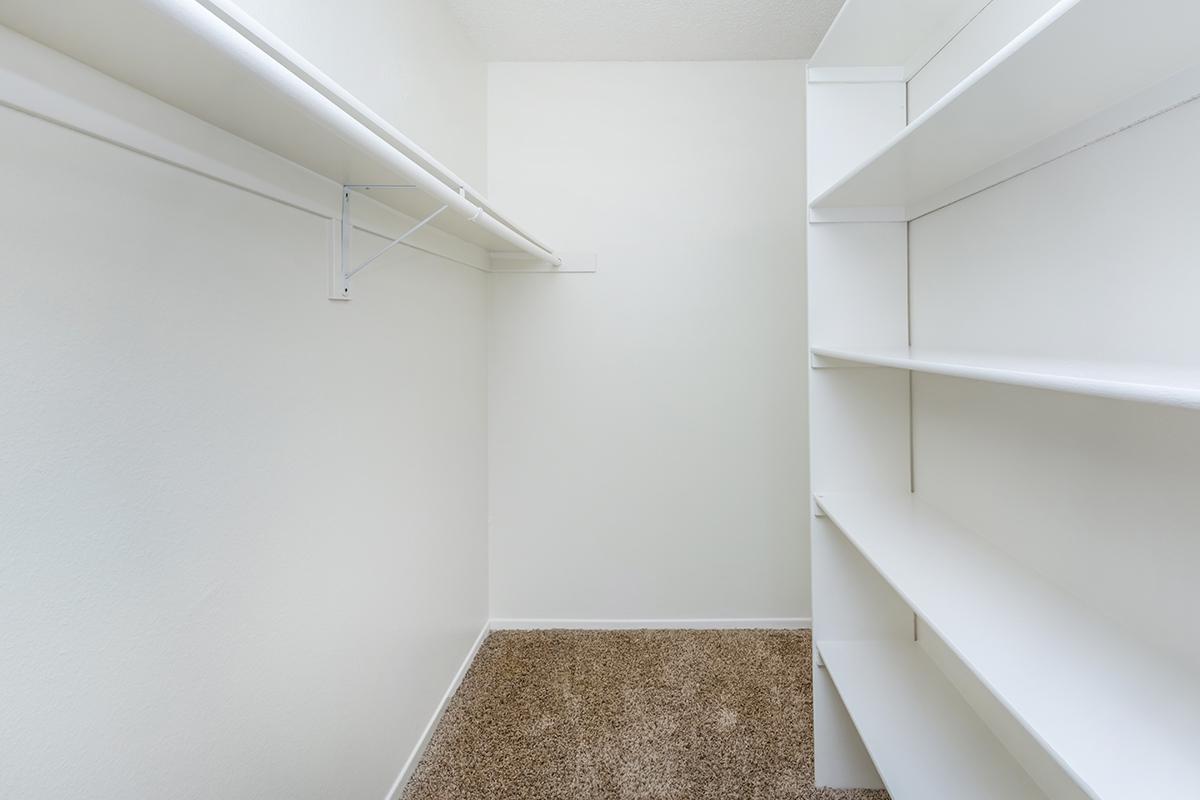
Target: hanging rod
246 42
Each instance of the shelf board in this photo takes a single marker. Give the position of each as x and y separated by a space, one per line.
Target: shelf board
1059 72
1142 383
926 741
148 45
885 33
1121 717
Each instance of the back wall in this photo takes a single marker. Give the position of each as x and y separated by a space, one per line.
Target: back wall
647 443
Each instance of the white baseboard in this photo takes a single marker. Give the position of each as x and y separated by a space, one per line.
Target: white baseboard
773 623
414 758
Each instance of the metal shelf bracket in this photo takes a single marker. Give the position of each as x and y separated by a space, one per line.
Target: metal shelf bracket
345 271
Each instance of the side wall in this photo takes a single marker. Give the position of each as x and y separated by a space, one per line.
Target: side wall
647 423
244 528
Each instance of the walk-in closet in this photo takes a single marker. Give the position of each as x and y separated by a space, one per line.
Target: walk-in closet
600 400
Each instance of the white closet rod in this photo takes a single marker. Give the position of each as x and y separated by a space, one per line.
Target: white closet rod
227 28
247 26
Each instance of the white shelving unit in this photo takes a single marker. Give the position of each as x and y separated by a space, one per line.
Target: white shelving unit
1058 73
211 60
958 658
884 33
894 691
992 611
1142 383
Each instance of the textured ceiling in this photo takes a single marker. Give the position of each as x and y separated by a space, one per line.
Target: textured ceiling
645 30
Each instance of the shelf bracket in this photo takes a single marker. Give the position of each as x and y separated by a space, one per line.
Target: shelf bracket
345 272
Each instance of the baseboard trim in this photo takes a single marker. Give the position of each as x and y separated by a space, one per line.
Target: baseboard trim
414 758
772 623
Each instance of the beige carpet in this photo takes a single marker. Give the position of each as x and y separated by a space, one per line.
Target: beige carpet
629 715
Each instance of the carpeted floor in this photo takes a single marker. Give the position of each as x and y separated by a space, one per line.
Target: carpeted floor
629 715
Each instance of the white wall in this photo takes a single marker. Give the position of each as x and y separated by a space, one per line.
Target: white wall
244 529
409 60
1091 257
647 424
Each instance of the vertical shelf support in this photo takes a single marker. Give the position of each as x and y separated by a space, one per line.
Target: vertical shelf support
857 289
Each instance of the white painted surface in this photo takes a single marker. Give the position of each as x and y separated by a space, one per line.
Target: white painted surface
838 745
1094 681
647 423
1164 97
927 742
47 84
1038 763
244 80
1089 258
776 623
418 751
859 420
851 120
885 33
1137 382
410 60
645 30
989 26
850 600
1059 72
245 528
1065 619
1122 509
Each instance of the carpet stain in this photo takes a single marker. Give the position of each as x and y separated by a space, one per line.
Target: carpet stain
630 715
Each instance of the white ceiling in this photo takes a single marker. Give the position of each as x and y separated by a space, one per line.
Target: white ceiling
645 30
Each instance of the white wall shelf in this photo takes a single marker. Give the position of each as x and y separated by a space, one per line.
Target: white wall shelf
887 33
1022 137
923 737
208 58
1120 717
1058 73
1143 383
